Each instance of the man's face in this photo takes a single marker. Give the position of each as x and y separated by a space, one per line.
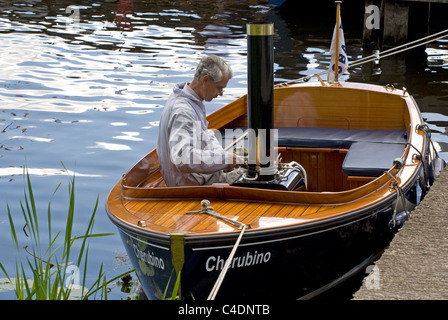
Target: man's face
214 89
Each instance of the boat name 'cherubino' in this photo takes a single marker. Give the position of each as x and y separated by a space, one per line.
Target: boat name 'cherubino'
217 263
149 258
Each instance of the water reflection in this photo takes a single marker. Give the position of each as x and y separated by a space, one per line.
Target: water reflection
110 146
124 56
16 171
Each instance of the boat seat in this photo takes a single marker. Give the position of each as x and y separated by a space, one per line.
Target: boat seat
332 137
371 158
336 138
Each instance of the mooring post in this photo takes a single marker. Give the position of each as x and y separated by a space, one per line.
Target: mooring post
396 23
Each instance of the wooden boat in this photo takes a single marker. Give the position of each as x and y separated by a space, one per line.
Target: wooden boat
365 159
300 242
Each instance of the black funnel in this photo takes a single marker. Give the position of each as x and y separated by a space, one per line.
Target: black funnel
260 100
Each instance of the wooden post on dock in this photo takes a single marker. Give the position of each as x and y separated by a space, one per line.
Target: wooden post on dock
392 27
396 22
396 19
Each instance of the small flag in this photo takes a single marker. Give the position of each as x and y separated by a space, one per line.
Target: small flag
341 53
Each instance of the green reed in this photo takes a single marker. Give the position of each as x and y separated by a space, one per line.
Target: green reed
43 276
175 292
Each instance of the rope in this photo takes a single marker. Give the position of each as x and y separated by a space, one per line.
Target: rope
400 194
206 209
221 276
427 131
429 157
420 157
376 56
395 50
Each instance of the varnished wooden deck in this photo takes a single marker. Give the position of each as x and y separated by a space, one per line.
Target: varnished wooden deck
171 216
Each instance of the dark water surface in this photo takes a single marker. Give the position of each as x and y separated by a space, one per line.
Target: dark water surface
89 92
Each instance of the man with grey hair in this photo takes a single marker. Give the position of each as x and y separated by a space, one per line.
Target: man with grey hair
189 153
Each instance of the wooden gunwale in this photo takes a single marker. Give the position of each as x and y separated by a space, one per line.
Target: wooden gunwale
164 209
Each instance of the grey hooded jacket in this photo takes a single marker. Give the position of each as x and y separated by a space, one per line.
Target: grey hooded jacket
189 153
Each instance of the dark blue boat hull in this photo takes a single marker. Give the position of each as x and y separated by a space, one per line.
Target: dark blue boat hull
289 264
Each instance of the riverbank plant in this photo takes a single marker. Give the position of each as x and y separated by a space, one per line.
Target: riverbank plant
52 272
